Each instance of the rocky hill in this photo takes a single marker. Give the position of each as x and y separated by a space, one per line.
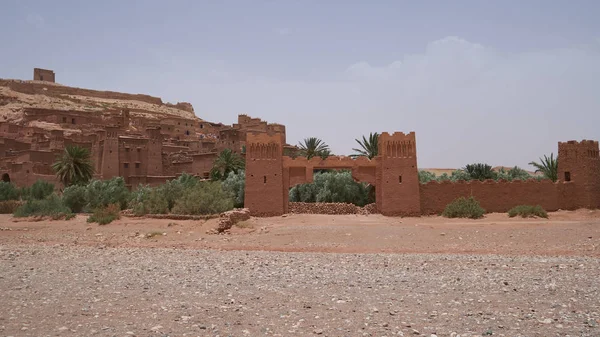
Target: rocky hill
17 96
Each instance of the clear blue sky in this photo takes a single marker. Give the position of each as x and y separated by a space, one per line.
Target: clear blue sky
479 81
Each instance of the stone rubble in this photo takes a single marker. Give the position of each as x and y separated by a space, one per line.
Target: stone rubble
332 208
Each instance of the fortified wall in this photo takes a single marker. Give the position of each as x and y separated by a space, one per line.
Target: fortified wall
394 173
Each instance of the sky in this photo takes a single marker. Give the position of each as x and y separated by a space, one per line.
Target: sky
500 82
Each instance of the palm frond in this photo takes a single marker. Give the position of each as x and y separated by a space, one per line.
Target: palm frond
312 147
74 166
368 147
548 166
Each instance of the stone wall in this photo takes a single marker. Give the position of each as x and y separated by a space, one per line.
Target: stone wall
330 208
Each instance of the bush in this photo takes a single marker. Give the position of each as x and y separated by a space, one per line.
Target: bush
51 206
147 200
204 198
480 171
528 211
75 197
40 190
8 191
426 176
515 173
234 184
464 208
334 186
9 206
105 215
101 193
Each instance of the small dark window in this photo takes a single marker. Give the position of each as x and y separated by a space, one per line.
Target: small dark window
137 165
72 120
64 119
187 132
126 149
567 176
399 179
264 179
126 165
41 77
139 149
201 126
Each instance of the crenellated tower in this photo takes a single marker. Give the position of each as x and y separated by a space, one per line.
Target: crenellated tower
579 162
397 177
264 193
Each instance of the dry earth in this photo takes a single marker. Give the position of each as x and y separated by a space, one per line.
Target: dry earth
316 275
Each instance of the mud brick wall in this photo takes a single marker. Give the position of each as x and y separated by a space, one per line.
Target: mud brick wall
493 196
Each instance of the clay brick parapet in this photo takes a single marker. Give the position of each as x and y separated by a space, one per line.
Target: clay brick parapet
397 145
333 162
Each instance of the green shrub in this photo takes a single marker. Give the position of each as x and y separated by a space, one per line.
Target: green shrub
205 198
480 171
105 215
40 190
75 197
51 206
528 211
515 173
333 186
147 200
235 184
460 175
9 206
464 208
8 191
101 193
426 176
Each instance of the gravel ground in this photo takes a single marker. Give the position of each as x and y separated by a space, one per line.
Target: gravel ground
69 290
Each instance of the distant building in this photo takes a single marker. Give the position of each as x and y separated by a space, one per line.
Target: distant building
43 75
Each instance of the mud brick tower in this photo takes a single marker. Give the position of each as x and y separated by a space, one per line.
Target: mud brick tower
265 193
397 186
579 163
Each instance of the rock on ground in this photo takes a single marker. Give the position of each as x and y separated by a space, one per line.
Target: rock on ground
85 291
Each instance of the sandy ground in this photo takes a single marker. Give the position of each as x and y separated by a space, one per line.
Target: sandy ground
303 275
564 233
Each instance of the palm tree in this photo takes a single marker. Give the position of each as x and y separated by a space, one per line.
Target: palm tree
369 147
548 166
480 171
227 161
74 166
312 147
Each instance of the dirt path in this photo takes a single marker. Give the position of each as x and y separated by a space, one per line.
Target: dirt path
564 233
